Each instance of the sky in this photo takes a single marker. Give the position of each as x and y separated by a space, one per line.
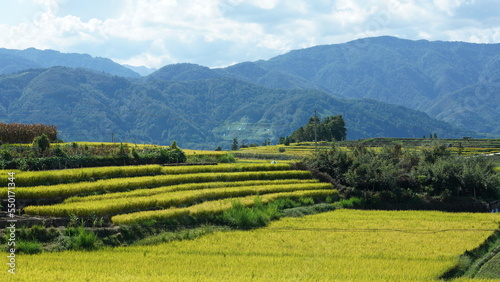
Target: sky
217 33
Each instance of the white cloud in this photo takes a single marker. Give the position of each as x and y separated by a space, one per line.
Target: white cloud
221 32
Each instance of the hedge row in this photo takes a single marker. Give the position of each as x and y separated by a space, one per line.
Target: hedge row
166 156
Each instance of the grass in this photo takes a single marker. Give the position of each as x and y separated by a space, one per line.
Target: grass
491 269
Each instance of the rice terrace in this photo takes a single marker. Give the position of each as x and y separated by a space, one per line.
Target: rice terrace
244 140
302 211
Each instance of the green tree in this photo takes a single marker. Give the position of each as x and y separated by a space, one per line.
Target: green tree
234 146
41 142
173 146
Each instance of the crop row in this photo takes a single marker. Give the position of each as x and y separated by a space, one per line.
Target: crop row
184 187
165 200
224 168
214 207
51 177
131 183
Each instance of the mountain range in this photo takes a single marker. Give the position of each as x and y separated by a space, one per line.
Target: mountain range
383 87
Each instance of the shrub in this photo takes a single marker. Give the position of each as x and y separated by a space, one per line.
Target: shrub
83 240
38 233
228 158
41 143
28 247
242 217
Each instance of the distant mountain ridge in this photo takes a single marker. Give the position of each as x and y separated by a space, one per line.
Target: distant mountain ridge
384 87
417 74
203 113
12 61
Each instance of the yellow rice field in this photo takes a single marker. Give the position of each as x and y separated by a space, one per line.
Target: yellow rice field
343 245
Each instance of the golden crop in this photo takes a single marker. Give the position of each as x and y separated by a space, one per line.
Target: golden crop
164 200
184 187
123 184
50 177
224 168
343 245
213 207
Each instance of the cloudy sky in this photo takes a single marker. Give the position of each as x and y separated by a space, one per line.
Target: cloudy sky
217 33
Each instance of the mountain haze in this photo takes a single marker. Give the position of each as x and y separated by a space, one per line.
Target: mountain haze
17 60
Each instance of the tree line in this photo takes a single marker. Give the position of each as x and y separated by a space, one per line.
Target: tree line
331 128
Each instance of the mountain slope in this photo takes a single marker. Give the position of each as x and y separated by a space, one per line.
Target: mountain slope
416 74
198 114
17 60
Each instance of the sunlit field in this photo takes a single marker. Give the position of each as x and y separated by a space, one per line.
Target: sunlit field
349 245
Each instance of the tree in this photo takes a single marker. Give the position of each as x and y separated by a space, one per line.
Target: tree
332 128
173 146
287 141
234 146
41 142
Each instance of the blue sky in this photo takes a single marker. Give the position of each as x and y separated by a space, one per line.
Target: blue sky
218 33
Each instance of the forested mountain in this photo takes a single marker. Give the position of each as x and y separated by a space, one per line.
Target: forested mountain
371 82
17 60
204 113
451 81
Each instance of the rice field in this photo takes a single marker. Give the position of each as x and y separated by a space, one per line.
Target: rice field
50 177
343 245
209 208
163 188
164 200
131 183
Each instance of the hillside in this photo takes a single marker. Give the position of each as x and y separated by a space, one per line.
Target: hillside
451 81
204 113
12 61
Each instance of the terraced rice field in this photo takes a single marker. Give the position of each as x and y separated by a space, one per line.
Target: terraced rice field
178 190
343 245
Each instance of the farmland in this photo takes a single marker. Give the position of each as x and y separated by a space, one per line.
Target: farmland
344 245
128 204
161 187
